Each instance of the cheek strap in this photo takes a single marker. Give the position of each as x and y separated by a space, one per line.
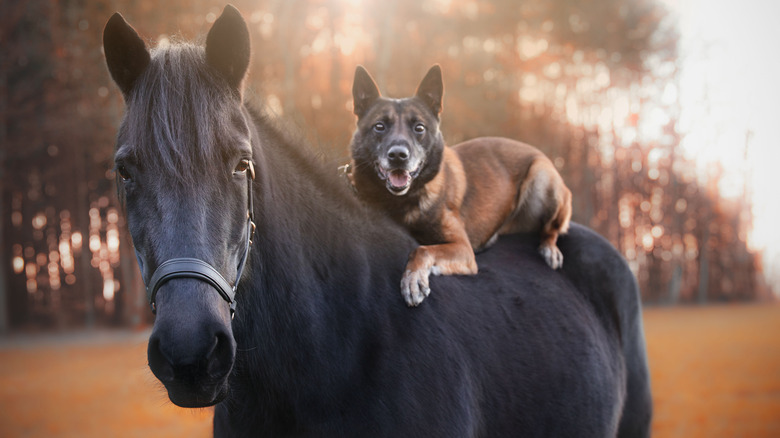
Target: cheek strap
185 267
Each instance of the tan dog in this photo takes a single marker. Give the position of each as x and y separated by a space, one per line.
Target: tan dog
454 200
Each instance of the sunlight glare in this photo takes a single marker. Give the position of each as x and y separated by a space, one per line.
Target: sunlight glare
728 92
108 289
18 264
76 240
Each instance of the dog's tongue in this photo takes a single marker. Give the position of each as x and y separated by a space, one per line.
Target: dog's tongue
399 178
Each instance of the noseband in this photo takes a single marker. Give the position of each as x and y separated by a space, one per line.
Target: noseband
186 267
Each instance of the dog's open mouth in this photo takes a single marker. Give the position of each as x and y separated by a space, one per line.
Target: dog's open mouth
397 181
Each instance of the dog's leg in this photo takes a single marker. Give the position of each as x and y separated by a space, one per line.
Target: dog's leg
549 250
545 200
451 258
556 225
442 259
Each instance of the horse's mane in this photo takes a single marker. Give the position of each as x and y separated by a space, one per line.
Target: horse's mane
290 142
178 125
185 131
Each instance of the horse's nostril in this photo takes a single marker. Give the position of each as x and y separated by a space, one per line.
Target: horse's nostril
213 362
158 362
220 359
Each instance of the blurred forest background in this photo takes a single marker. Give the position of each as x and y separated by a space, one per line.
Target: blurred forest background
593 83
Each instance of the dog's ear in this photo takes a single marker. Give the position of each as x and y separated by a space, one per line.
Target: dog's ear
431 90
126 54
228 47
364 91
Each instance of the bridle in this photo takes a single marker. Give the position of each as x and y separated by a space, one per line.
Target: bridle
186 267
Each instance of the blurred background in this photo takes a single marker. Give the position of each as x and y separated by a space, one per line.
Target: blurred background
658 118
659 114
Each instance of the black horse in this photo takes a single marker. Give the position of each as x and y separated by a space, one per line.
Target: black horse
315 340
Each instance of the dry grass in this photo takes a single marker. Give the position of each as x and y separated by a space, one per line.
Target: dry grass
101 391
715 370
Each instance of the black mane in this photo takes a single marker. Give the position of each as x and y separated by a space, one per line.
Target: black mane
280 136
181 130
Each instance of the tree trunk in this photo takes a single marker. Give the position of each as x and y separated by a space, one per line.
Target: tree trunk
4 247
704 265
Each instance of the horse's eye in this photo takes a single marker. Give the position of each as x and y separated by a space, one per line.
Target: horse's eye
379 127
419 128
123 173
243 166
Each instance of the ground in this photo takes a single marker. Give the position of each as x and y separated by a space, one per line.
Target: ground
715 371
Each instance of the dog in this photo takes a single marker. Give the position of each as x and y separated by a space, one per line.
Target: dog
454 200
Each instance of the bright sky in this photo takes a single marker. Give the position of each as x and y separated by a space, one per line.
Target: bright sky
730 98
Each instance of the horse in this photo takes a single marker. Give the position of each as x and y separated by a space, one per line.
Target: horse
275 290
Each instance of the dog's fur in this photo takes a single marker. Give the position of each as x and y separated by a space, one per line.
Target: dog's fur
454 200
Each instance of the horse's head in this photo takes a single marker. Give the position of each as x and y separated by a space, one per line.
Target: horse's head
184 169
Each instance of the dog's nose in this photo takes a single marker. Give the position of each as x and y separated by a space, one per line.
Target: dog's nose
398 154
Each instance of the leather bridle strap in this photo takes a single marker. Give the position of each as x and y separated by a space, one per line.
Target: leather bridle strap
190 268
185 267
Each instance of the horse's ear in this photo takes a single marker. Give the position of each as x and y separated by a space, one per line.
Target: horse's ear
126 54
228 47
364 91
431 89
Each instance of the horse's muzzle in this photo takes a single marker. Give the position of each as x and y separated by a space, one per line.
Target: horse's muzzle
191 349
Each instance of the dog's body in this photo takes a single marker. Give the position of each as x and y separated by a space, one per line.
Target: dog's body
454 200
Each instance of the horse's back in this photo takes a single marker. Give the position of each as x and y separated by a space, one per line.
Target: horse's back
602 274
517 350
543 352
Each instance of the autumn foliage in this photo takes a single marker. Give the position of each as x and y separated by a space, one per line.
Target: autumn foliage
591 83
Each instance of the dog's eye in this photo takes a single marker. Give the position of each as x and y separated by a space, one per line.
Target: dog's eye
379 127
123 172
419 128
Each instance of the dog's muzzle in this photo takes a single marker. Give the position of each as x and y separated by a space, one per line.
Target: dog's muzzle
397 180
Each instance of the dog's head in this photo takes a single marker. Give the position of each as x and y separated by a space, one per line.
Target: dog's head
397 143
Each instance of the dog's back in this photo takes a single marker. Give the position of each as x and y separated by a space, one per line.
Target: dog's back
500 165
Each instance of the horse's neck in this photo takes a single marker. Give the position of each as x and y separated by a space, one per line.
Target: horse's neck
317 249
323 272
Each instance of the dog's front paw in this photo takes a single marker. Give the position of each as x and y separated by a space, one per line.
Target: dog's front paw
414 286
552 255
